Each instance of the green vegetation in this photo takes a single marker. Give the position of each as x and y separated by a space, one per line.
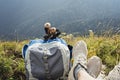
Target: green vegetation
12 63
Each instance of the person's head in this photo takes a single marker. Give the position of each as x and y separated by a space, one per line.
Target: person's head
47 25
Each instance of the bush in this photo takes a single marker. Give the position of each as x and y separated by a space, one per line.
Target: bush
108 53
5 68
11 62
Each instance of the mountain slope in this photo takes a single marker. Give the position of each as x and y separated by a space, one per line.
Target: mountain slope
27 17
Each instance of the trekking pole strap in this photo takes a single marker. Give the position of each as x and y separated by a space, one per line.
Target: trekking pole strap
47 71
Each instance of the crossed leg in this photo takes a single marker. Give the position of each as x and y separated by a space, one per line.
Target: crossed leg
83 70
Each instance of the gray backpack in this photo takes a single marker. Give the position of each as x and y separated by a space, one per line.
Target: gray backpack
47 61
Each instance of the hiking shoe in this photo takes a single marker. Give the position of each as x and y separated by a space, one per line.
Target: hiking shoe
80 53
80 57
94 66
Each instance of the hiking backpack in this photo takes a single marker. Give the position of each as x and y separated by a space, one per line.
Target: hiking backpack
47 61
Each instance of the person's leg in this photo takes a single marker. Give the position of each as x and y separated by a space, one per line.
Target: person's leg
80 58
94 66
93 69
83 75
114 74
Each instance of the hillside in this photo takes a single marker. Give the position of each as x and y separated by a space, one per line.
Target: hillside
12 64
106 26
25 18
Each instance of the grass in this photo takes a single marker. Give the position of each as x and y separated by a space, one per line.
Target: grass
12 63
107 48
